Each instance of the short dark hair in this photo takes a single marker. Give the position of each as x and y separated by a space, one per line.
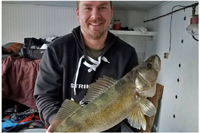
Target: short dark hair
77 4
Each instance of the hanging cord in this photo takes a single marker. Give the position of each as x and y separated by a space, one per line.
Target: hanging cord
194 38
170 33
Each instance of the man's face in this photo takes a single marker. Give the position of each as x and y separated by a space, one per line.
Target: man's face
94 17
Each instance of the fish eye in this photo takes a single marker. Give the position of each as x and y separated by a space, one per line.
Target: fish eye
149 65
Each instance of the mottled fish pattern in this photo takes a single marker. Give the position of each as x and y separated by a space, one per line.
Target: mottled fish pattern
108 102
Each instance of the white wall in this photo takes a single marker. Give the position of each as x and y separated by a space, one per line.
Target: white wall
185 107
133 19
21 21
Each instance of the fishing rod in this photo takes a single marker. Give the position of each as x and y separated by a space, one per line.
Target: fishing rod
193 6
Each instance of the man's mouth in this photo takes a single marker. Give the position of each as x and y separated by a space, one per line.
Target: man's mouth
95 24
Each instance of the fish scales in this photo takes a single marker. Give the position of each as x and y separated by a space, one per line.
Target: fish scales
111 101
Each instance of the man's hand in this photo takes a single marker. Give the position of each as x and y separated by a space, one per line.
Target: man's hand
52 126
49 130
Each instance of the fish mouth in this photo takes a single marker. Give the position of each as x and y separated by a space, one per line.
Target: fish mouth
157 63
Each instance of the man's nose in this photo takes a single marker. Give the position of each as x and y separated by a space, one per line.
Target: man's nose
95 13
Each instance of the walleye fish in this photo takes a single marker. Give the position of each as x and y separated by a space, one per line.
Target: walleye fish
110 101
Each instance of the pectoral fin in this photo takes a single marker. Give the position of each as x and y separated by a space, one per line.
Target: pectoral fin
137 119
147 107
67 109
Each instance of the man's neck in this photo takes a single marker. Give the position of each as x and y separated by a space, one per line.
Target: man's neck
95 44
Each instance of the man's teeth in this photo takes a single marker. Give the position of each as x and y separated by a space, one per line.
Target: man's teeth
95 24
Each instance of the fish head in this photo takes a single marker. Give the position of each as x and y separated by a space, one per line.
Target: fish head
146 75
152 63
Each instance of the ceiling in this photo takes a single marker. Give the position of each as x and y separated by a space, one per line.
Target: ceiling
119 5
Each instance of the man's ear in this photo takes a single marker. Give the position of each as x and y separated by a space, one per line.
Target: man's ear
77 14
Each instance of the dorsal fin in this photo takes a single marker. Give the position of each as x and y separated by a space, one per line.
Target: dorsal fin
97 88
68 107
136 118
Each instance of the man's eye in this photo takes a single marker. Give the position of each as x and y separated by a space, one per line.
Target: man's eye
103 7
87 8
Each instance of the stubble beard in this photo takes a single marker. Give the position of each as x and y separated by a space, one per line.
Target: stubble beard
95 35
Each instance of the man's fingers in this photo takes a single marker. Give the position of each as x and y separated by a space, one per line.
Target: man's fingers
49 129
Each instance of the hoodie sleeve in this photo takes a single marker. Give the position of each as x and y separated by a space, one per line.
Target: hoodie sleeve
48 86
133 61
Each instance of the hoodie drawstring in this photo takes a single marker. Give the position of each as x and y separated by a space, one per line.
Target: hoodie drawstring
77 72
91 67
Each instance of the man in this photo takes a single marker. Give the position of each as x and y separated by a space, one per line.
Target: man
73 62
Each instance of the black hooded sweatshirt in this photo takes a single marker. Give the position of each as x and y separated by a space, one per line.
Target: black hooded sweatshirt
66 71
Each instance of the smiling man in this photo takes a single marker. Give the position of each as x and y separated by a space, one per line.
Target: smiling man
94 19
71 63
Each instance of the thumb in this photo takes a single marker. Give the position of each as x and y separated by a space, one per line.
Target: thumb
49 130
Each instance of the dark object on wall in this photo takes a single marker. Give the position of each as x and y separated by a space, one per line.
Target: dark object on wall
32 47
